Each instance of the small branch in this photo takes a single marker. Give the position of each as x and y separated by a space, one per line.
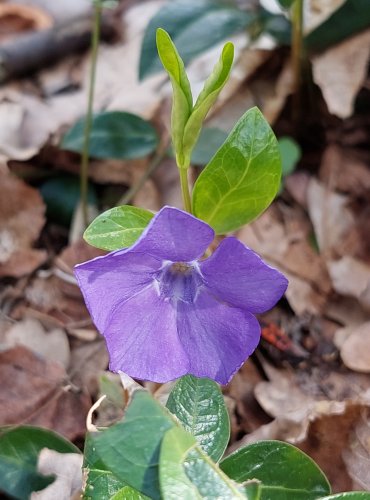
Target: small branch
297 53
32 51
156 161
89 116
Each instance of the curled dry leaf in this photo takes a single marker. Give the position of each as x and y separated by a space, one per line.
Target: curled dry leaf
21 220
67 469
341 71
39 394
355 350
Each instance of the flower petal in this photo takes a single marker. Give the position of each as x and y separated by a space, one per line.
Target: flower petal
142 339
216 337
238 276
175 235
110 280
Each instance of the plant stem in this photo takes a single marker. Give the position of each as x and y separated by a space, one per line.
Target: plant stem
95 37
135 188
185 189
297 52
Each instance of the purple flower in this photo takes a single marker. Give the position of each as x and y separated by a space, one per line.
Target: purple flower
165 313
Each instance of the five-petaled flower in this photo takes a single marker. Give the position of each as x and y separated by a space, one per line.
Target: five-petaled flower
164 313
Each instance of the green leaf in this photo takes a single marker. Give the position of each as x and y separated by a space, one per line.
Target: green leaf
212 87
290 154
210 140
194 26
199 405
182 98
19 451
286 4
100 484
130 449
243 177
350 18
351 495
128 493
186 472
114 134
252 490
61 195
118 227
286 473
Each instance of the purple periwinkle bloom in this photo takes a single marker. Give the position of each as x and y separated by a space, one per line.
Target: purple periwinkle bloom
165 312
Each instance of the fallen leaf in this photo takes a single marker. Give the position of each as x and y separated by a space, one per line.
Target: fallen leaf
330 216
60 12
351 277
115 90
357 455
349 173
67 469
21 220
327 437
341 71
88 361
52 345
355 350
285 245
15 19
39 394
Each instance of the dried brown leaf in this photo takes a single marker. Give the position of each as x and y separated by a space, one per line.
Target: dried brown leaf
21 220
36 392
52 345
341 71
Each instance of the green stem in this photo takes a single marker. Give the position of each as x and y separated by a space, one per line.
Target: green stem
185 189
95 37
297 51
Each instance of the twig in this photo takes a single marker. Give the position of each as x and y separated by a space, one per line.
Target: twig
156 161
89 116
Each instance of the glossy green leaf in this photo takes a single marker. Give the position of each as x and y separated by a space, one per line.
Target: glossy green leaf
243 177
186 472
19 451
350 18
194 26
199 405
290 154
128 493
61 195
286 4
285 472
114 134
130 448
182 98
252 490
210 140
100 484
351 495
118 227
212 87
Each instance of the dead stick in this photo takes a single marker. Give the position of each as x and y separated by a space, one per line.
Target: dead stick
27 53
